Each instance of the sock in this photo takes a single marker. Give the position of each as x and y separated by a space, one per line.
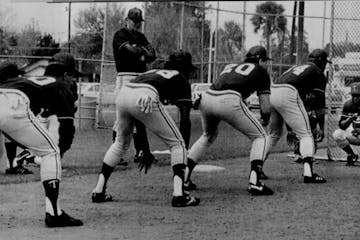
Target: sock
348 150
179 170
103 178
113 136
256 166
11 152
189 168
308 167
51 196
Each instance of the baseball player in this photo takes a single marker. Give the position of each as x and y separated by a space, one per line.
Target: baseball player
62 129
132 51
287 100
349 125
20 101
142 99
225 101
9 71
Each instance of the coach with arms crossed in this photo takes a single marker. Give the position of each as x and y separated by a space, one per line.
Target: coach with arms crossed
132 51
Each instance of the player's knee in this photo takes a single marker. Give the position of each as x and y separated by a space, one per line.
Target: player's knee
339 134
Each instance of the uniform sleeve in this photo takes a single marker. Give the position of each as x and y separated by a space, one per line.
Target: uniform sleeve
119 39
264 82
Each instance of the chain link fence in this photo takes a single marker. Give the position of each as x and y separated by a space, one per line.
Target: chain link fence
216 36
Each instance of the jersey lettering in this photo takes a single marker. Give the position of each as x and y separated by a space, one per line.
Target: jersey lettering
243 69
168 74
42 81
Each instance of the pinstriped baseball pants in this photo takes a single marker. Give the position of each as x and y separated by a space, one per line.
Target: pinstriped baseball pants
228 106
158 121
288 107
19 124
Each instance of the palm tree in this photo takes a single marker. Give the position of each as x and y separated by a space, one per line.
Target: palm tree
270 20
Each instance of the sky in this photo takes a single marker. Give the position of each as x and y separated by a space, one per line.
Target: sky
53 17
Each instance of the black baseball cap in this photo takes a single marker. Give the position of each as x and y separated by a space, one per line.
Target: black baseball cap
183 58
258 52
9 70
319 54
68 61
135 15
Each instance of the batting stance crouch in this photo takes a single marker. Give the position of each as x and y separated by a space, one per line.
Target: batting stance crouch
20 100
225 101
141 100
287 102
349 125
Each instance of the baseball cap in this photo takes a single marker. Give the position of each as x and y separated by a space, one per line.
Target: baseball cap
135 15
68 61
319 54
258 52
9 69
181 57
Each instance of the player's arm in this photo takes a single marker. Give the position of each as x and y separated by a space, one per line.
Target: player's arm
346 119
184 106
264 101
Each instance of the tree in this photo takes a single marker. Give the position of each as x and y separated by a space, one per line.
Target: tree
270 20
230 43
46 46
88 40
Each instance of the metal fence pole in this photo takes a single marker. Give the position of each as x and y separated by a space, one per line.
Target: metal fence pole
216 40
103 52
182 25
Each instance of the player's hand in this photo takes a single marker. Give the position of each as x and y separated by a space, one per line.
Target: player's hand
291 138
319 135
145 161
145 104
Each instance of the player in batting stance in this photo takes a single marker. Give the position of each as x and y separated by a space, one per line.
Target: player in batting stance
20 101
349 125
141 99
225 101
287 104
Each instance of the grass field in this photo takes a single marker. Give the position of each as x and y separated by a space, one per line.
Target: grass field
142 208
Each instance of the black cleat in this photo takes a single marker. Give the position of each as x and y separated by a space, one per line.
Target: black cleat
351 159
63 220
315 178
18 170
189 185
260 189
101 197
184 201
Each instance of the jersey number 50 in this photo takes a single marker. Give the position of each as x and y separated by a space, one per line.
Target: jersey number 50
242 69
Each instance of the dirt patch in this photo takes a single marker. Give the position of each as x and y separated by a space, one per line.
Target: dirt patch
142 208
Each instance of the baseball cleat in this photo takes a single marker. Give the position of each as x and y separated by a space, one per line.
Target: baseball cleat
101 197
351 159
189 185
184 201
260 189
315 178
18 170
63 220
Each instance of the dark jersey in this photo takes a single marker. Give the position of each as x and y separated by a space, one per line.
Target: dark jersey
128 61
59 98
30 89
308 79
170 84
244 78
